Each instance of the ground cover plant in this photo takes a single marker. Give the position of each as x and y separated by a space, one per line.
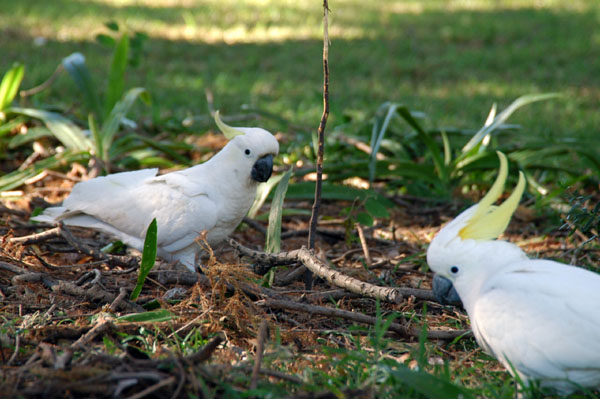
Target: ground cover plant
422 95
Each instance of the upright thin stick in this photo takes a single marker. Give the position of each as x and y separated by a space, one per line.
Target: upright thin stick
308 279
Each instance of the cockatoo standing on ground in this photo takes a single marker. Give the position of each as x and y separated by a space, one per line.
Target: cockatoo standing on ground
213 196
539 318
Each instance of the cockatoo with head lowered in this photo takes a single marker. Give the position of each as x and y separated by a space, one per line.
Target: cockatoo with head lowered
539 318
213 197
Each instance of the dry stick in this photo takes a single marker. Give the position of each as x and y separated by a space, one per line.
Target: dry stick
308 279
152 388
363 243
260 347
115 304
94 253
360 318
38 237
89 336
207 350
44 85
320 268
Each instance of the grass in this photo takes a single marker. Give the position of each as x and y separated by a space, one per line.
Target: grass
449 59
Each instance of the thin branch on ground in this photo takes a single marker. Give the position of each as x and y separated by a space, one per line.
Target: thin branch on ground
263 334
360 318
320 268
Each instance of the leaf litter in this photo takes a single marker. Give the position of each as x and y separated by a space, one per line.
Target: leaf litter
60 309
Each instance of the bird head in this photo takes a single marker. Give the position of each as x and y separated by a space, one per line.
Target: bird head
467 247
251 145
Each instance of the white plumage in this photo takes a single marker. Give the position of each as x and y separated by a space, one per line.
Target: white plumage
213 196
540 318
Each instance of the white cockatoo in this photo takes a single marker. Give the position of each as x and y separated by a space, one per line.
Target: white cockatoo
539 318
213 197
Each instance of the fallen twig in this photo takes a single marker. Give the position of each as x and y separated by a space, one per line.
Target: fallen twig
37 237
125 261
152 388
207 350
263 333
361 318
320 268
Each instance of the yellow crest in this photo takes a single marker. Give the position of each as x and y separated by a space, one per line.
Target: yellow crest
489 221
228 131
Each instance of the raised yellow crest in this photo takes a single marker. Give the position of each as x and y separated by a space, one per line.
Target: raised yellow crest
228 131
489 221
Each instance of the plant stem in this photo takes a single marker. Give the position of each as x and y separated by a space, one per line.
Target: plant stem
308 279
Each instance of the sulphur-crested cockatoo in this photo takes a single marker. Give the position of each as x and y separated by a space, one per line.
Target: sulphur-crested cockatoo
539 318
213 196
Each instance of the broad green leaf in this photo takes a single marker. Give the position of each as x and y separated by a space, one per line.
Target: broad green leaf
10 85
32 134
69 134
262 192
377 135
98 149
120 110
78 71
154 316
273 242
106 40
376 209
112 25
365 219
148 258
116 77
504 115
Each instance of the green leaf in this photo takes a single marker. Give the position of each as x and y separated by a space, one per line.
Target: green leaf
365 219
105 40
148 258
504 115
154 316
376 209
98 149
120 110
69 134
116 77
112 25
273 242
10 85
432 146
78 71
18 177
377 135
431 386
32 134
262 192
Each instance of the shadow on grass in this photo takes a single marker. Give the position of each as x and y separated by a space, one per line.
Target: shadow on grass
452 65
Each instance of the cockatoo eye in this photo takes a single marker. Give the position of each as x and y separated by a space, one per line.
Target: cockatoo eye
247 151
454 269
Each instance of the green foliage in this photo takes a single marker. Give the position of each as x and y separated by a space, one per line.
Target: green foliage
584 216
155 316
148 258
9 87
273 241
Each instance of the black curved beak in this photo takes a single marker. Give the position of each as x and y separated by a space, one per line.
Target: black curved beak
262 169
444 291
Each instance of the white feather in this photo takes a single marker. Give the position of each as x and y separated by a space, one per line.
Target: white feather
539 318
213 196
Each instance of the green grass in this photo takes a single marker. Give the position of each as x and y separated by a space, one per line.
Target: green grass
449 59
